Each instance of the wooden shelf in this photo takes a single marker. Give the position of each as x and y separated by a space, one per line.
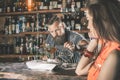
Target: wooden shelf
16 57
23 34
35 33
82 31
35 12
29 12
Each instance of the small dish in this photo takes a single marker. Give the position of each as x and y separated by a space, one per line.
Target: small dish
41 65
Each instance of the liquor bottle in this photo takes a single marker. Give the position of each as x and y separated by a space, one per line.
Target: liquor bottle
24 6
44 21
16 5
55 4
37 22
6 30
77 22
68 6
68 21
27 45
41 4
41 40
13 25
73 6
1 6
20 23
83 3
23 24
9 25
17 45
60 4
32 23
31 47
17 25
72 21
4 5
46 4
19 5
8 6
77 5
63 8
23 46
28 27
13 8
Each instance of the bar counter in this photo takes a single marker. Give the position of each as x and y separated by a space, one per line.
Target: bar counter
19 71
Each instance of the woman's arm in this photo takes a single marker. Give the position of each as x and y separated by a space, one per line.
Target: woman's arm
111 67
85 62
83 66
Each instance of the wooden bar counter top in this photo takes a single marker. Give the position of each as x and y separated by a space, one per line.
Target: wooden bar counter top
19 71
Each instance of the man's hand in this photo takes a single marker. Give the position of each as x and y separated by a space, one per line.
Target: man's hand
69 45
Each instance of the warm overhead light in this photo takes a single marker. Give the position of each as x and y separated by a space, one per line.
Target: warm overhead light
29 4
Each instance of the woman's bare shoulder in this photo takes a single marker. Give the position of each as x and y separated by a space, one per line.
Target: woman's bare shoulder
114 55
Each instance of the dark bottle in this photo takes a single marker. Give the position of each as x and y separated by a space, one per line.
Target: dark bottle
28 27
23 46
19 5
23 24
37 22
8 6
55 4
27 44
13 8
44 21
59 4
17 25
10 49
46 4
17 45
6 30
41 40
77 22
32 23
77 5
20 23
68 6
72 21
9 25
24 5
13 25
2 6
83 3
72 6
37 5
68 21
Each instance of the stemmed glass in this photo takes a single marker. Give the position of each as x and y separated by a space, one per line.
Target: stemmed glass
49 51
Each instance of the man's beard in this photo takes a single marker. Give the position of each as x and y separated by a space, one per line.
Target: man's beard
60 40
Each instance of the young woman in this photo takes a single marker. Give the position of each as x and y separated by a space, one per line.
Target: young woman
104 23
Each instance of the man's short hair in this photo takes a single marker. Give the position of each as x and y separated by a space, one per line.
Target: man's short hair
54 18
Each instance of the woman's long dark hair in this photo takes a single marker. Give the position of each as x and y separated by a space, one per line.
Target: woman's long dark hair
106 18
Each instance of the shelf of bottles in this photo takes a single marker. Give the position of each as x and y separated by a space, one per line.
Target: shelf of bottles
26 28
18 7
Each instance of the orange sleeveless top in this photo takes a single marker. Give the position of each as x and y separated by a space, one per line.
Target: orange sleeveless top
96 67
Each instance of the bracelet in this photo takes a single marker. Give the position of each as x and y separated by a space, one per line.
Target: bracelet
93 38
88 54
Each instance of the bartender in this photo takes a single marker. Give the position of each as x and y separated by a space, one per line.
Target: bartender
66 42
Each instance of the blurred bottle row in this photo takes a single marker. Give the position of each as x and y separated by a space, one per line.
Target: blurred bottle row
35 23
29 44
34 5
